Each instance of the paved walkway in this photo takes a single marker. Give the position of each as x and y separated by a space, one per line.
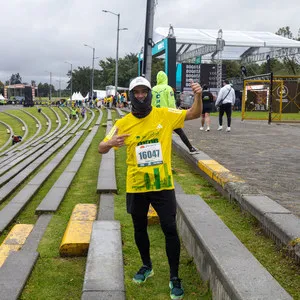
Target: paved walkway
7 107
266 156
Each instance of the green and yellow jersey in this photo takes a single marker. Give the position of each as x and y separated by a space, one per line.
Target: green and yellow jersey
149 148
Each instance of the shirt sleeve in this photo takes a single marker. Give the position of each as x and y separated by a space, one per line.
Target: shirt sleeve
176 117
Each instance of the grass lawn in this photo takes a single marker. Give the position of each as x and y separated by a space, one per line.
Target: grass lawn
262 115
60 278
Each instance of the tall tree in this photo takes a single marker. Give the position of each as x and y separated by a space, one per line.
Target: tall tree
285 32
291 64
1 87
15 78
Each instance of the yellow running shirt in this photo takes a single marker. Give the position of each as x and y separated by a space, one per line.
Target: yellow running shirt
149 148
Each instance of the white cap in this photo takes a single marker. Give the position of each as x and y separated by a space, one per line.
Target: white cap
139 81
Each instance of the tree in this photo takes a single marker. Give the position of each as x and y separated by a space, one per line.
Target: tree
15 79
285 32
81 80
127 69
1 87
291 64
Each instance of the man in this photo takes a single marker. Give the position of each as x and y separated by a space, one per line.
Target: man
147 133
225 101
163 96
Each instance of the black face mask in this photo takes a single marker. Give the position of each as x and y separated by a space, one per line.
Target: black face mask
141 109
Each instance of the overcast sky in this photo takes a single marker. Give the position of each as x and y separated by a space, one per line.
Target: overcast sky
40 35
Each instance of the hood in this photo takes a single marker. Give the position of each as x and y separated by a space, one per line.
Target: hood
161 78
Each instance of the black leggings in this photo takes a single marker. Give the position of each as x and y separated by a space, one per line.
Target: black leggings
164 202
227 109
183 137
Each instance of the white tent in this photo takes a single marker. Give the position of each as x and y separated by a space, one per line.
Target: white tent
100 94
1 97
77 96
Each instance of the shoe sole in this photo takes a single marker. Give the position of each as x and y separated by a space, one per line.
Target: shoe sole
196 152
174 296
139 282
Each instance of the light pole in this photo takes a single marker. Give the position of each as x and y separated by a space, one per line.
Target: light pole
59 81
71 79
117 51
92 80
50 88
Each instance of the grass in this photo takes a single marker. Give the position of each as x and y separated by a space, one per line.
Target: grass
263 115
54 277
63 278
244 226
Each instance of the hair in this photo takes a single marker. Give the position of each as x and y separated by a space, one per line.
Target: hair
226 81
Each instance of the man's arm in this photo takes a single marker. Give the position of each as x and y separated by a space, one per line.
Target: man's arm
195 111
115 141
220 96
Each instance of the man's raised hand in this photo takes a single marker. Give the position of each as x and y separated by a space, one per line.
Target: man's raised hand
196 87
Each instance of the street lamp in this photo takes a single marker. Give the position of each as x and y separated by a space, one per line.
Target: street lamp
117 52
71 79
92 80
50 88
59 81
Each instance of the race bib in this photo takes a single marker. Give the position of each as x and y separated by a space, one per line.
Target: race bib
148 155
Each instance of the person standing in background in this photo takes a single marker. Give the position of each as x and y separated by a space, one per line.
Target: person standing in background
207 100
225 101
163 96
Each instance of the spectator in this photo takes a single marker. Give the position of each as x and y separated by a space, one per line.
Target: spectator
163 96
83 112
16 139
74 113
225 101
147 133
207 100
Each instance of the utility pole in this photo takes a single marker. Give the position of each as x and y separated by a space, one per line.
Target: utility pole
220 43
148 43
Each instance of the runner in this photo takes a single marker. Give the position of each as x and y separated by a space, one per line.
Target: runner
147 133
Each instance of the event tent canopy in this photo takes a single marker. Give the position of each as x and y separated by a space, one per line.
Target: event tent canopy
238 44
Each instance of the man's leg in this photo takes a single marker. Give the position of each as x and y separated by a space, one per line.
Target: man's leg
138 206
228 111
221 113
202 121
164 202
184 138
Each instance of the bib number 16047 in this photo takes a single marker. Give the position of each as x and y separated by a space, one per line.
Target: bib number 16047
149 154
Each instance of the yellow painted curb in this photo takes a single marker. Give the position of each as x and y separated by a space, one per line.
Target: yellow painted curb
14 240
76 239
152 216
217 172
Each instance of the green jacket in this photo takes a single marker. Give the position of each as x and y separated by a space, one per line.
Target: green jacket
162 93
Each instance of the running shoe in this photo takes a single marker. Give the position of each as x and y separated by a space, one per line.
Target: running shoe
142 275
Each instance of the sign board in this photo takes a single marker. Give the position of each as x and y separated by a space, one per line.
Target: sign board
202 73
209 75
190 71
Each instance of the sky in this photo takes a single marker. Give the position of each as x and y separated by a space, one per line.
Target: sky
39 36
